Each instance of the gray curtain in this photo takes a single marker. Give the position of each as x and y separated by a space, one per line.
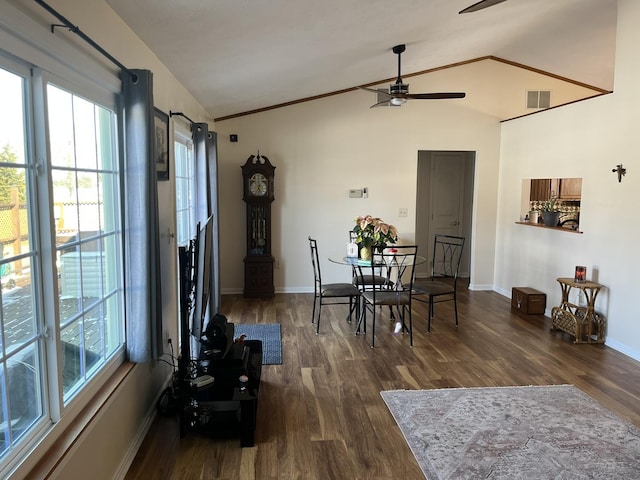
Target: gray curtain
215 257
143 310
200 132
205 152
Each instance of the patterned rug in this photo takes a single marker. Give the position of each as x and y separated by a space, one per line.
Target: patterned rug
549 432
269 333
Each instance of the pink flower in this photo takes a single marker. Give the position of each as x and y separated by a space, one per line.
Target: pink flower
373 231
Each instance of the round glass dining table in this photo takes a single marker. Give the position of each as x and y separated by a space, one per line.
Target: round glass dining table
358 262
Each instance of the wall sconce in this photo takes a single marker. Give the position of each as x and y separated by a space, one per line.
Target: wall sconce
620 171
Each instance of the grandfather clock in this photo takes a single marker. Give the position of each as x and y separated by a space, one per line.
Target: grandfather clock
257 175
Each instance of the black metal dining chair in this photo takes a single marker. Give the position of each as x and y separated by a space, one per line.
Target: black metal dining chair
368 281
330 293
397 266
442 285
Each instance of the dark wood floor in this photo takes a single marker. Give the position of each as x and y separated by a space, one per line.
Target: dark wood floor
320 412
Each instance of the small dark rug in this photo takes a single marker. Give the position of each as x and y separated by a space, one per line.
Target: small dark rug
270 335
547 432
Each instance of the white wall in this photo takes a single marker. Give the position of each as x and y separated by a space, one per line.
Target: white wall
323 148
587 140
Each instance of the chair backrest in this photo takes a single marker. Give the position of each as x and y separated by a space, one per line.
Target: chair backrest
447 253
397 264
315 262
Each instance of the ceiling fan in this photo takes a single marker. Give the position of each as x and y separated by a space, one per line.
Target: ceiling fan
398 93
480 5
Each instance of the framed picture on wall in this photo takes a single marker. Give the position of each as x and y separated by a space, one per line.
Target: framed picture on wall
161 150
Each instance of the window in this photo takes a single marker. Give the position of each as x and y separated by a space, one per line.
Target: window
185 194
22 396
185 188
85 182
554 202
61 289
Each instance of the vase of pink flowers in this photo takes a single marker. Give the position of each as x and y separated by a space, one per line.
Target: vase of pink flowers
372 233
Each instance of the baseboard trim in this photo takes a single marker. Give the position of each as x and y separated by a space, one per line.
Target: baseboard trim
614 345
481 288
623 349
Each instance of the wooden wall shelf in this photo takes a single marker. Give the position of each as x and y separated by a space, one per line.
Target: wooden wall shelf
540 225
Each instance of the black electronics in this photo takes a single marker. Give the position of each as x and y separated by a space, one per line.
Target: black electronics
202 277
215 390
217 338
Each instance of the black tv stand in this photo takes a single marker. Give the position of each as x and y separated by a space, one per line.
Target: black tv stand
225 408
220 407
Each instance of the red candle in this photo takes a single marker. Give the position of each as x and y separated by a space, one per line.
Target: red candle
581 274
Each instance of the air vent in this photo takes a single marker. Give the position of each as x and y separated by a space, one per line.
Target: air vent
538 98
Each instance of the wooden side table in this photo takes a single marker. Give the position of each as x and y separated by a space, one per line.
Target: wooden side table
584 323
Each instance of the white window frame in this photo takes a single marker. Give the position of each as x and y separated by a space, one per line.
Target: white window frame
110 102
56 414
186 163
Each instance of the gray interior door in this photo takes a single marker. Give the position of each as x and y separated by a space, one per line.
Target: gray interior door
444 202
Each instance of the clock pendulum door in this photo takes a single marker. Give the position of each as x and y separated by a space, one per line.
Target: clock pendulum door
258 264
258 229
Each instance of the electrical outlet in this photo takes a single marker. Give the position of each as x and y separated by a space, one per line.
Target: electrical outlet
403 212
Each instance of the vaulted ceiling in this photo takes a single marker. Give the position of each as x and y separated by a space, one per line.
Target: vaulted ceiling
236 56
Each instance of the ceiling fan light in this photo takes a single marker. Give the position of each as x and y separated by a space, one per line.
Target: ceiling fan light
398 101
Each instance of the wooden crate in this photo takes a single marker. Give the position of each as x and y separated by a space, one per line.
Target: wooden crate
528 300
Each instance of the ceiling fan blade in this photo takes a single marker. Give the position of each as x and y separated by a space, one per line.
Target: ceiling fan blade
481 5
384 103
435 96
398 92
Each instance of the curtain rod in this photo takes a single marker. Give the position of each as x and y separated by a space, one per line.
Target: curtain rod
180 114
75 29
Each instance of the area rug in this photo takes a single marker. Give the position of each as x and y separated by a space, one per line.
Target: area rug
547 432
269 333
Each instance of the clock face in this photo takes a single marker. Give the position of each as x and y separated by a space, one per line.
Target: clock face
258 185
